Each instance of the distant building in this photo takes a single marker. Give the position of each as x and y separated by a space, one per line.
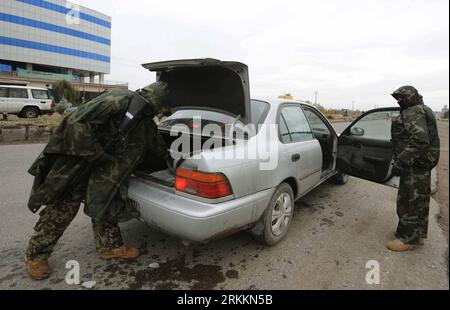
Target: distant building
43 41
286 97
345 112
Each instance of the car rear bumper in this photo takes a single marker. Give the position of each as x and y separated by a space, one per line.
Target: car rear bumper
193 220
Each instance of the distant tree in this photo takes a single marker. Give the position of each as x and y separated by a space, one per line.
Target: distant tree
445 115
320 107
63 89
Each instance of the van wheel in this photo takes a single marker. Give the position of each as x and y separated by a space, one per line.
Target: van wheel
340 178
30 112
275 221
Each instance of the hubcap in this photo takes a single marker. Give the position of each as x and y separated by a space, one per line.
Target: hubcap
281 214
30 114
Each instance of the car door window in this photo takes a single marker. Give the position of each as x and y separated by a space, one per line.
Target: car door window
318 126
375 125
285 137
365 148
4 92
296 123
18 93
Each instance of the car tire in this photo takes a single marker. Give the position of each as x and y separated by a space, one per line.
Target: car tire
340 178
30 112
276 219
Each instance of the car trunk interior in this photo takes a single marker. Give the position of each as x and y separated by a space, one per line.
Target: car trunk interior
158 170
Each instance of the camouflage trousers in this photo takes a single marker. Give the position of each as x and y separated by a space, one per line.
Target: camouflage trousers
54 220
413 205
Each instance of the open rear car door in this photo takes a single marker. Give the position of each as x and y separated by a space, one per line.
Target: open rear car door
365 149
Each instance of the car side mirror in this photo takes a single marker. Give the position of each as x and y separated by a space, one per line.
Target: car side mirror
357 131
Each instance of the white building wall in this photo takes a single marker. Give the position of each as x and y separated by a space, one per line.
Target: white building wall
34 37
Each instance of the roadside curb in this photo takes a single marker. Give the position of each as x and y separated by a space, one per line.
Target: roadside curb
25 133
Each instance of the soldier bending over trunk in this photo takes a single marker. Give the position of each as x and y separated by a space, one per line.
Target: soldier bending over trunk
88 159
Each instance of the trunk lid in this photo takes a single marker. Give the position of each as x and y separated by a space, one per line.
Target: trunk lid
208 84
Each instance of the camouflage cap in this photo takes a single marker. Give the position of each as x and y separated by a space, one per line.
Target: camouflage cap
407 96
156 93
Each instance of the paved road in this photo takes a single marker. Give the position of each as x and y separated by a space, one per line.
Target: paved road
335 231
442 194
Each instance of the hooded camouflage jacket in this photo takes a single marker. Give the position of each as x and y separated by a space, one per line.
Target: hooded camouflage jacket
414 131
83 135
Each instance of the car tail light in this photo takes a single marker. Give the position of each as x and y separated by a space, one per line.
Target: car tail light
203 184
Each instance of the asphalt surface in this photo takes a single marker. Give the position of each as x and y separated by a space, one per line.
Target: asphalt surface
336 230
442 195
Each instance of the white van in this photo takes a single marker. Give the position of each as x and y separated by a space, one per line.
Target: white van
25 101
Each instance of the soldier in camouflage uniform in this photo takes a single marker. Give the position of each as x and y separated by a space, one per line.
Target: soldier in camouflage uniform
88 160
416 147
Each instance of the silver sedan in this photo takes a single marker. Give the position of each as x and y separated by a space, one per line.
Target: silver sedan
245 162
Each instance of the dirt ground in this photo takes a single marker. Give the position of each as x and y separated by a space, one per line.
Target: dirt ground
442 194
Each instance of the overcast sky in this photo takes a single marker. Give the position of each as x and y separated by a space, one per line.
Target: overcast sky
346 50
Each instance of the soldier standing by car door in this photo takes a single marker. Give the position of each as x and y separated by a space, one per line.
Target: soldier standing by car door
416 146
89 158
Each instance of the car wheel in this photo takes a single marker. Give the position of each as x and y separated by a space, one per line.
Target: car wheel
275 221
30 112
340 178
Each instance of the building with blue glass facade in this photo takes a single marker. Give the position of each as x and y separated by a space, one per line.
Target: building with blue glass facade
46 40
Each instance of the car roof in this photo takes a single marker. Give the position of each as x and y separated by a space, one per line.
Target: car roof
28 87
278 101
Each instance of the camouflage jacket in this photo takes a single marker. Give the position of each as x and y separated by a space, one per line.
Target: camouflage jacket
83 135
414 131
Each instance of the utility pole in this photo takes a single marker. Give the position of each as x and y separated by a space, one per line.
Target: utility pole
316 94
353 105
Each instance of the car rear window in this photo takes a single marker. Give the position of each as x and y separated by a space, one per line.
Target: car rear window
258 112
40 94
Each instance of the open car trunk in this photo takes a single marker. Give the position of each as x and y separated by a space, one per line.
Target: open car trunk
203 84
208 84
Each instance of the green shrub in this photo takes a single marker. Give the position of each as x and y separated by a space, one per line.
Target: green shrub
64 89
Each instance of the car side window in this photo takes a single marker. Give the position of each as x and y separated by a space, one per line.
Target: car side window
18 93
39 94
296 123
4 92
318 126
376 125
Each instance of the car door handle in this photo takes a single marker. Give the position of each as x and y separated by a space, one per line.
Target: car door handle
44 102
295 157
